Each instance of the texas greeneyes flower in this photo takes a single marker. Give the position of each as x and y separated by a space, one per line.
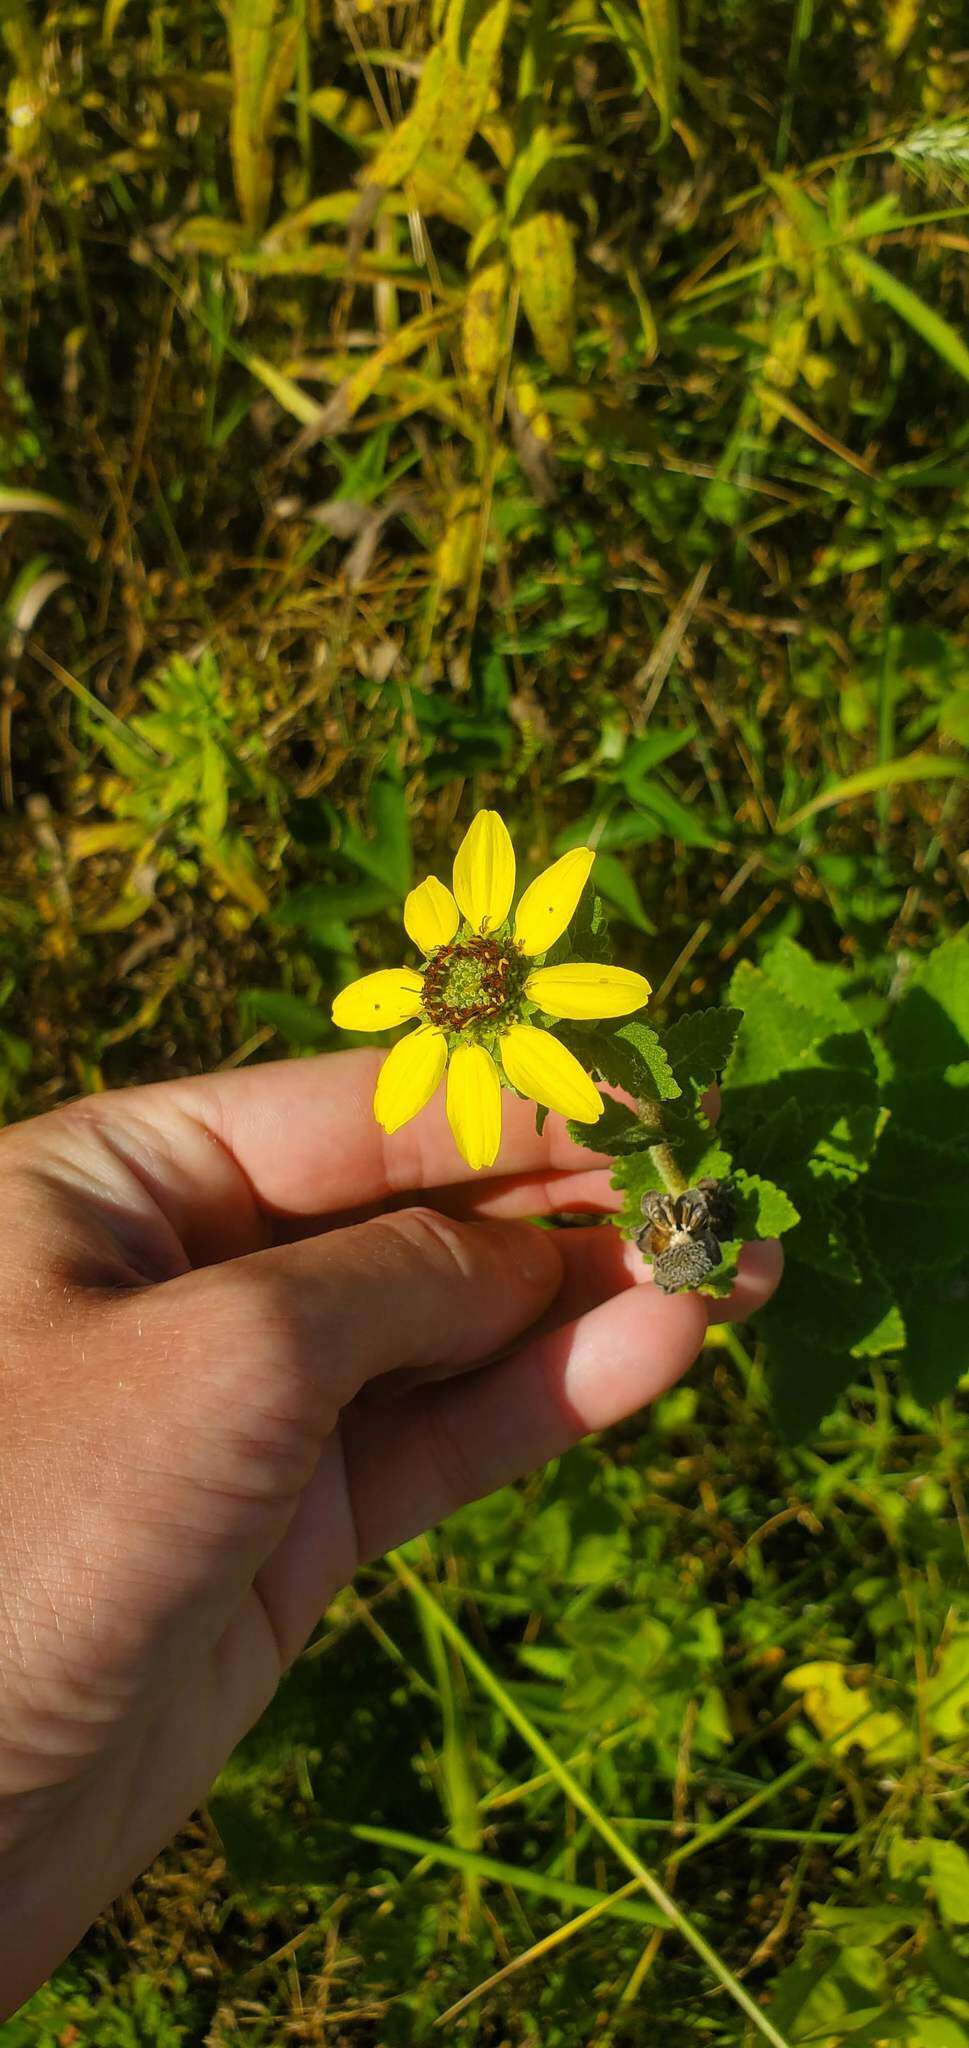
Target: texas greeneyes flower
480 986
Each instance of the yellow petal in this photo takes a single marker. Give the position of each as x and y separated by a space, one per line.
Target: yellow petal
474 1104
578 989
431 916
409 1076
551 900
484 872
377 1001
540 1066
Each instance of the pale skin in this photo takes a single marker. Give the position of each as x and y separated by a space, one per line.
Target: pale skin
250 1342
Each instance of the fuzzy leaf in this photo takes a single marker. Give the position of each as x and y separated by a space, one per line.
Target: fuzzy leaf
618 1131
630 1057
814 985
937 1322
635 1175
763 1209
805 1382
775 1033
929 1030
698 1046
917 1203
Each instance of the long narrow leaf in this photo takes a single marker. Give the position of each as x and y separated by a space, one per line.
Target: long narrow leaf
930 325
584 1802
914 768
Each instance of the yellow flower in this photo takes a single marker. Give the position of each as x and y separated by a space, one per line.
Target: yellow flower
476 994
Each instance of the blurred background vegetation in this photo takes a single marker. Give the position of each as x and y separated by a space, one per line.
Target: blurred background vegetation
561 406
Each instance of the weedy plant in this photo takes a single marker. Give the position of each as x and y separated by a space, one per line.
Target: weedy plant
410 410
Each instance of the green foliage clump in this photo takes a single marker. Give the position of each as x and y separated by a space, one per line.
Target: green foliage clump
408 409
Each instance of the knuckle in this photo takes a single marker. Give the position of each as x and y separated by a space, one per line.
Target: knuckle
266 1308
436 1239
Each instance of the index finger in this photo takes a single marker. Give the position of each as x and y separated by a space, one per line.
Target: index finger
303 1142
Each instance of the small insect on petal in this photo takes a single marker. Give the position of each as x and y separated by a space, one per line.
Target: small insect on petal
379 1001
540 1066
474 1104
409 1076
584 989
431 916
484 872
550 902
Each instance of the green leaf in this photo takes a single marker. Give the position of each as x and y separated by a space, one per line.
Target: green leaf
937 1321
774 1144
805 1381
314 908
927 323
698 1046
784 1055
763 1209
929 1028
815 985
774 1035
820 1239
635 1175
913 768
848 1717
302 1022
681 823
618 1130
949 1869
887 1335
917 1203
837 1317
386 854
652 45
630 1056
617 886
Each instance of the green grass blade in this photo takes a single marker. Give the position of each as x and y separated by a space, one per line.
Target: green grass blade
913 768
930 325
581 1799
490 1868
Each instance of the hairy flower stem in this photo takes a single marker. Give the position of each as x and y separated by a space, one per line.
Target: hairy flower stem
651 1116
666 1166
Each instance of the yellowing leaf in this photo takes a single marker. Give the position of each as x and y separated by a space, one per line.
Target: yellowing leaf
458 193
844 1715
401 150
86 840
357 388
290 396
455 554
113 11
544 260
482 327
451 98
262 49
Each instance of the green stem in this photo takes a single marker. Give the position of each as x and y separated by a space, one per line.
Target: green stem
666 1166
661 1154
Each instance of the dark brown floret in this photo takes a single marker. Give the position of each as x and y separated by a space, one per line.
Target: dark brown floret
497 972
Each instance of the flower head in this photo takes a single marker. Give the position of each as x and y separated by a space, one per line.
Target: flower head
479 988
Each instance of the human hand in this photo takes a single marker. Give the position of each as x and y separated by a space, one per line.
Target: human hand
238 1361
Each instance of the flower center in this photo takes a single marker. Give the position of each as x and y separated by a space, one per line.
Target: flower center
474 982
